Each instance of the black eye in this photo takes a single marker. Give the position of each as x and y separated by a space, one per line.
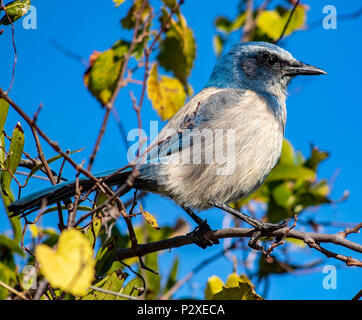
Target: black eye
271 60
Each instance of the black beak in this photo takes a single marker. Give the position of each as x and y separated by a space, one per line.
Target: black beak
300 68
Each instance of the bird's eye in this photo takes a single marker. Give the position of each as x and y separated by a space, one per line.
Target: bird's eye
271 60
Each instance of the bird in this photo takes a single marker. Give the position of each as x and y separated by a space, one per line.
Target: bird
241 111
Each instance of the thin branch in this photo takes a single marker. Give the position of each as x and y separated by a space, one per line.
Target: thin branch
310 238
288 21
11 289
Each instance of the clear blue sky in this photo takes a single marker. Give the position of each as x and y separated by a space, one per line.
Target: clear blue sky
323 110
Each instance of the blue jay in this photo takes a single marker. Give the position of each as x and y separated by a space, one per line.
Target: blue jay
245 95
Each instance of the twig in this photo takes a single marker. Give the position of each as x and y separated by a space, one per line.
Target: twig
117 294
195 270
11 289
288 21
358 295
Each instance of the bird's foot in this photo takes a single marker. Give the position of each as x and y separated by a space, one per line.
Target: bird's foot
262 229
199 236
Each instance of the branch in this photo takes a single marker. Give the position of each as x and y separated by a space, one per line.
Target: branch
288 21
312 239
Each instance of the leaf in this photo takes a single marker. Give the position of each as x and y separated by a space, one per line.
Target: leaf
316 158
2 151
153 280
291 172
237 288
178 50
11 245
170 3
167 95
150 219
129 21
214 285
10 165
218 43
71 266
112 282
283 195
12 161
172 277
133 288
101 77
4 108
288 155
117 3
223 24
272 22
15 10
41 166
92 232
297 242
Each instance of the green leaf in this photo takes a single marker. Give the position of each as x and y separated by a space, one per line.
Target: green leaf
11 164
291 172
153 280
10 245
172 277
129 21
112 282
133 288
316 158
41 166
178 50
4 108
101 78
223 24
2 151
93 230
283 195
15 10
170 3
167 95
288 154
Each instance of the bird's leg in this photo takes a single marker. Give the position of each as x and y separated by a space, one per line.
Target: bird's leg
260 227
199 234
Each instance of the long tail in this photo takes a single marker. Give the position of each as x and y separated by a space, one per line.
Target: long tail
61 192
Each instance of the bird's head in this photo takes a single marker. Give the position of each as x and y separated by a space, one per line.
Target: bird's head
259 66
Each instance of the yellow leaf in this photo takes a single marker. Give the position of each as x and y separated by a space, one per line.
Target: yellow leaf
34 230
272 23
297 242
150 219
232 281
167 95
117 3
213 286
71 266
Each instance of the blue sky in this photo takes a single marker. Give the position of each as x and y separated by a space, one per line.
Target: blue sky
324 110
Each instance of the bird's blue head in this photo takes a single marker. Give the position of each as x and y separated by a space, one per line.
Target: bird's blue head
258 66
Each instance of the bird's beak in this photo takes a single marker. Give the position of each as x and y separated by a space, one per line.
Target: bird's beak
300 68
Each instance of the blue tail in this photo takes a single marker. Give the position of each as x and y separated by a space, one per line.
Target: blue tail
61 192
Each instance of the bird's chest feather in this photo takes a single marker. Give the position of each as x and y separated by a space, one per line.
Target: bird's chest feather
260 131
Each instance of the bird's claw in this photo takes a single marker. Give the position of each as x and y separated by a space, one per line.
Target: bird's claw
200 238
261 229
